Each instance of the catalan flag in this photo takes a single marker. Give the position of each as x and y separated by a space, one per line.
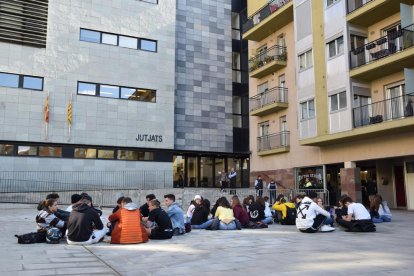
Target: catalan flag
69 117
47 110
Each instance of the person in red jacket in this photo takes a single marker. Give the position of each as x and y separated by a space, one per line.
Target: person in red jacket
128 228
239 212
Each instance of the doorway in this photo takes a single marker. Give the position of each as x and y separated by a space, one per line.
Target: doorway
400 186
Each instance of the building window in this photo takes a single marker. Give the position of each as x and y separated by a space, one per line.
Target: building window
150 1
50 151
6 149
118 40
106 154
117 92
85 153
338 101
21 81
336 47
331 2
307 110
305 60
27 150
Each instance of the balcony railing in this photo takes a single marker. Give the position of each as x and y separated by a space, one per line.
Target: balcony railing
274 95
387 110
353 5
262 14
273 53
387 45
273 141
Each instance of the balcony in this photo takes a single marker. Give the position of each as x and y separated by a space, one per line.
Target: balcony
384 56
273 143
268 62
268 19
390 116
368 12
269 101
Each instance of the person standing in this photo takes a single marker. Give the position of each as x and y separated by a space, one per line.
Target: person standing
272 191
371 189
232 178
258 185
223 180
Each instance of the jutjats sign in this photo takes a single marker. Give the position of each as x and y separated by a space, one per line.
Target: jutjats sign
149 138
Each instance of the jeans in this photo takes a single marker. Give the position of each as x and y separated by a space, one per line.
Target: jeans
329 221
203 225
230 226
381 219
267 220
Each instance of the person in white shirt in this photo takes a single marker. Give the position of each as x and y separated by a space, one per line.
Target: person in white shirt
310 216
358 218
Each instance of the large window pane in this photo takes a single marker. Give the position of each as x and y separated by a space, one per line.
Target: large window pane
235 163
340 44
148 45
128 42
90 36
50 151
311 109
110 39
85 153
304 111
144 95
342 100
6 149
127 155
334 102
220 168
192 174
178 171
206 172
86 88
332 51
9 80
106 154
32 83
109 91
27 150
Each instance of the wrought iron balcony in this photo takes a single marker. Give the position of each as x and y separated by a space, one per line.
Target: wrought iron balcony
387 45
262 14
353 5
387 110
269 101
273 59
273 141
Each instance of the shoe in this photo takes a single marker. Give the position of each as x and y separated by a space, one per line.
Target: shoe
327 228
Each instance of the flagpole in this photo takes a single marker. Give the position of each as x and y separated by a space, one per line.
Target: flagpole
46 115
70 123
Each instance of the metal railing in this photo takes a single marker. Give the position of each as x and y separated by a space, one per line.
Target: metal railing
386 110
273 141
353 5
392 43
275 52
273 95
262 14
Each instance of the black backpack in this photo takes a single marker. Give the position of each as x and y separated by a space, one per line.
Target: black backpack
33 237
290 218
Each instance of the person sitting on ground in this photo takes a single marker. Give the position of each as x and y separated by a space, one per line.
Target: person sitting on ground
84 224
97 209
268 211
246 203
214 209
128 228
117 207
47 218
379 210
73 199
224 215
193 204
239 211
61 214
340 210
257 212
176 214
158 223
281 206
310 216
330 220
358 218
144 207
199 219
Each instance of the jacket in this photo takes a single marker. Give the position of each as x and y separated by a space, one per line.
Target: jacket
82 221
241 214
307 212
46 219
176 215
200 215
282 207
128 227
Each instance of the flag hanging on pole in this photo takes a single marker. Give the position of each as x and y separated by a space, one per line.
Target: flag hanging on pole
47 110
69 117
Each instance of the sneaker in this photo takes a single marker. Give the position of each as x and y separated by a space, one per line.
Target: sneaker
327 228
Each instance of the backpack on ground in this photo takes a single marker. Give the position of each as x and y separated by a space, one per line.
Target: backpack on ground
33 237
290 218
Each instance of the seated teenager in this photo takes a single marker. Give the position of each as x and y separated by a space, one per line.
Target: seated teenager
281 207
176 214
144 207
268 211
224 215
128 227
330 220
47 218
196 202
384 211
358 218
84 224
73 199
199 219
158 223
257 212
61 214
379 210
310 216
239 211
117 207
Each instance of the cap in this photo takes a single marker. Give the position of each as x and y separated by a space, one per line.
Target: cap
197 197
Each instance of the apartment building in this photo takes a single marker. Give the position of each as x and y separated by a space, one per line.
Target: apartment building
350 114
123 86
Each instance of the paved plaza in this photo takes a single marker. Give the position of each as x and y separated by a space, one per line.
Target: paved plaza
278 250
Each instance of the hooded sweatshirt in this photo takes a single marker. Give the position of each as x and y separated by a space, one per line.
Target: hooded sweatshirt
82 221
128 227
176 215
307 212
